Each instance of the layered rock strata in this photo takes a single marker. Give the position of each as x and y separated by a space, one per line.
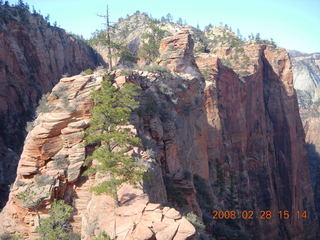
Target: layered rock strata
223 140
33 57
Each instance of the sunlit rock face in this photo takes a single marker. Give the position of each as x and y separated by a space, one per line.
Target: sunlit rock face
33 56
207 127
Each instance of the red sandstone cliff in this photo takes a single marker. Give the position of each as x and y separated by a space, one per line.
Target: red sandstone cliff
33 56
199 133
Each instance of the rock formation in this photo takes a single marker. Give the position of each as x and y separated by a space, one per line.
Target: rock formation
229 139
33 56
306 72
51 166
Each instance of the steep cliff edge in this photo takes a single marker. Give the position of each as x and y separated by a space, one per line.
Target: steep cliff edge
230 138
306 72
51 166
33 56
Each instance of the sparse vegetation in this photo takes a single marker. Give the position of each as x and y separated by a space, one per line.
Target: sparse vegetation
196 222
87 72
107 131
220 181
29 199
202 192
56 226
118 48
29 126
103 236
150 47
60 91
161 70
43 105
174 194
8 236
232 196
149 105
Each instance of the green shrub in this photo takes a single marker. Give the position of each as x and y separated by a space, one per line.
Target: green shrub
196 222
29 199
87 72
74 236
56 226
161 70
60 91
103 236
8 236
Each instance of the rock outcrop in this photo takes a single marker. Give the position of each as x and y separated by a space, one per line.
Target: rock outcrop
230 139
51 166
33 57
176 53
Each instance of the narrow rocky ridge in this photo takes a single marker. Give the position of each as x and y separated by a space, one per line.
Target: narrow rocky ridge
33 57
196 129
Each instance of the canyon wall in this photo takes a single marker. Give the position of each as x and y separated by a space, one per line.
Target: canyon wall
214 138
33 57
306 72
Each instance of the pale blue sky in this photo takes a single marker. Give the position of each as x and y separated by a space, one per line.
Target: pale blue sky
293 24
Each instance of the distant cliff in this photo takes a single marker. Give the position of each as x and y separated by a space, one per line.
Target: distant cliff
220 130
33 56
306 75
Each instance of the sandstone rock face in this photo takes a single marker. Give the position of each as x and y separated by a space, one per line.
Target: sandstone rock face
224 140
176 53
33 56
51 166
50 160
131 30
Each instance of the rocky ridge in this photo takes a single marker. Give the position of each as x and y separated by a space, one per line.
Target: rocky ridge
203 135
51 165
33 57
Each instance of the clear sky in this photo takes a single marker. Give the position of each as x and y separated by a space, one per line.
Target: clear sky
293 24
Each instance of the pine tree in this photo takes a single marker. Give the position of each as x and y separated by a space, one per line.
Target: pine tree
257 37
220 178
169 17
179 21
107 131
150 48
232 198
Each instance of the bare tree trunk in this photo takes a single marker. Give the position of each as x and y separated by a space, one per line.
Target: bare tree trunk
109 40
